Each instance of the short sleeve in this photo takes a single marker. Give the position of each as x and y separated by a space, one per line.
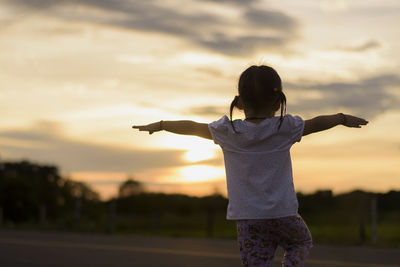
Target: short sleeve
297 128
219 129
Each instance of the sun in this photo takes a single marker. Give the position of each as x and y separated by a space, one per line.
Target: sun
195 149
199 153
201 173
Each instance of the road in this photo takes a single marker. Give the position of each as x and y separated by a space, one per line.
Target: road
28 248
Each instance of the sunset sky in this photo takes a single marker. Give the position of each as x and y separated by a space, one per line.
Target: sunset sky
76 75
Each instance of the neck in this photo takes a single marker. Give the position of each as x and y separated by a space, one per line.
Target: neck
259 115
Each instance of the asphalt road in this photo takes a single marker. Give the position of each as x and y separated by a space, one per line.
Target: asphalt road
25 248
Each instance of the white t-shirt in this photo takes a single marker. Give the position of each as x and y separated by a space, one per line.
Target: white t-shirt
258 166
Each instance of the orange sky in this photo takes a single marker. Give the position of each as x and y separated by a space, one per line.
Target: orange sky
76 75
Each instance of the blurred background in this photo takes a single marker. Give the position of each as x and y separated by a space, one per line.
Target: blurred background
76 75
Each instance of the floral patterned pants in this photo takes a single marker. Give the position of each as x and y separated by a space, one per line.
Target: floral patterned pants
258 240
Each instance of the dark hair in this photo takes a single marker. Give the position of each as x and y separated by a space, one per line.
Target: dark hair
260 86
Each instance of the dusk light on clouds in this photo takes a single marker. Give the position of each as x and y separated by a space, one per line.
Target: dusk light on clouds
76 75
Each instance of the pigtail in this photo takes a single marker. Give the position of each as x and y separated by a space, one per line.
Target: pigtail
283 107
233 105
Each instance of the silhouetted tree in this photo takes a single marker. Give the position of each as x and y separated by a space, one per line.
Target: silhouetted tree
130 187
29 190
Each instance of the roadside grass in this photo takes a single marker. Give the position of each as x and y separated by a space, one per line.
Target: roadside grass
202 225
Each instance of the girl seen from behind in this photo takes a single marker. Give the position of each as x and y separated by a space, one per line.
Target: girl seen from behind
262 198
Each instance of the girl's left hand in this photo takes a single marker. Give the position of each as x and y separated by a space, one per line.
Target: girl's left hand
151 128
354 122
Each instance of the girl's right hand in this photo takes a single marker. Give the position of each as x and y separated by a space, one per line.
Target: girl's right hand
151 128
352 121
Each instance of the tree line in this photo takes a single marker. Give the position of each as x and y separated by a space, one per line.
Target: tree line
37 193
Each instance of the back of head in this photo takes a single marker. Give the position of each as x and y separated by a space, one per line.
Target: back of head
260 89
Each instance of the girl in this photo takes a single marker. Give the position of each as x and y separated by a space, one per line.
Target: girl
261 194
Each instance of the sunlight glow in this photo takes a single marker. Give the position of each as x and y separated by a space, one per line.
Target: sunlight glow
194 174
186 142
197 149
201 173
199 154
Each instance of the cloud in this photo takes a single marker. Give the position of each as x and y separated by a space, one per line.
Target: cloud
243 44
274 19
367 97
75 156
255 29
34 4
237 2
368 45
214 72
208 110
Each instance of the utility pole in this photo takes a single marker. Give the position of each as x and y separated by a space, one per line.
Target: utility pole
156 221
2 175
78 207
374 219
1 216
112 214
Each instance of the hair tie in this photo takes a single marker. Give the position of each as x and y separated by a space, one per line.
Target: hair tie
233 105
235 100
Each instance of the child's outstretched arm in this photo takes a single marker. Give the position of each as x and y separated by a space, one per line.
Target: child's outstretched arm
322 123
178 127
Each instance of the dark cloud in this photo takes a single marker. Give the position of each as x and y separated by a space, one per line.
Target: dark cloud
34 4
204 29
243 44
274 19
236 2
368 45
43 146
368 97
